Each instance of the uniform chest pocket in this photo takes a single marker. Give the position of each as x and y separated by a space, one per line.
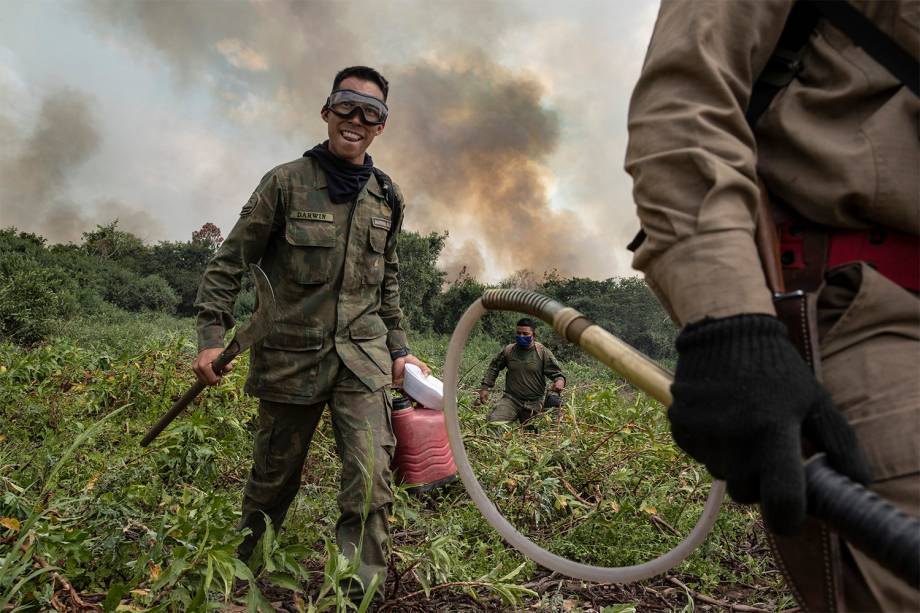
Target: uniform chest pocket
374 263
312 243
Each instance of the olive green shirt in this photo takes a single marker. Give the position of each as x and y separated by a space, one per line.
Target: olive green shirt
528 370
333 269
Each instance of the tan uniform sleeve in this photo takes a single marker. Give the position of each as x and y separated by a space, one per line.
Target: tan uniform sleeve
221 280
692 155
390 310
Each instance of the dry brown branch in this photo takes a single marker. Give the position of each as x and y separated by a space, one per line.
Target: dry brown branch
714 601
571 490
474 584
76 604
539 585
661 523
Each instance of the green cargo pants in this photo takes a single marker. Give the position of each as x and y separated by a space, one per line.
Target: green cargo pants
509 408
363 437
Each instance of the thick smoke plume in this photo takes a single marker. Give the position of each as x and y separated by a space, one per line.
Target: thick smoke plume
36 176
34 179
469 141
472 144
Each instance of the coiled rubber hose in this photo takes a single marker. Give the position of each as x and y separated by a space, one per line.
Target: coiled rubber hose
871 524
613 352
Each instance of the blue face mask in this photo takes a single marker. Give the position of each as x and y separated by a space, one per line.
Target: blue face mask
523 341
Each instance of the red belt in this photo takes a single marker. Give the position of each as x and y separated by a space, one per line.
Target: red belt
894 254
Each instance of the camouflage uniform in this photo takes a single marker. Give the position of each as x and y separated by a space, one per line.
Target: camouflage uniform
525 383
333 268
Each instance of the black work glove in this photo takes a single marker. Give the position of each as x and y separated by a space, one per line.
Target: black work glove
743 398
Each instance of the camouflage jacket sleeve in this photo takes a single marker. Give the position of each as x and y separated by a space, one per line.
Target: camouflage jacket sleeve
551 368
390 310
245 244
496 366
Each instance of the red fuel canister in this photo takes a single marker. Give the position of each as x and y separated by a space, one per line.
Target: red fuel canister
423 458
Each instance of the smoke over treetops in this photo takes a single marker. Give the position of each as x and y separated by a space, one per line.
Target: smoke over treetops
470 139
36 173
472 144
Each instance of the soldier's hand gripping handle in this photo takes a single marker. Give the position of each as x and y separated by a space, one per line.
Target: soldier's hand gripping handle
204 367
218 367
743 398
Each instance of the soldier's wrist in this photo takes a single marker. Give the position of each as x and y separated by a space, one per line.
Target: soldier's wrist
210 343
400 353
210 336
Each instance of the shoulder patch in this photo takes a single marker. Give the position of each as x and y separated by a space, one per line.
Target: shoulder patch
250 205
313 216
381 222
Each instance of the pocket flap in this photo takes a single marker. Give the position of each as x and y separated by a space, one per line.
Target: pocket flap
367 328
381 222
378 239
310 233
294 337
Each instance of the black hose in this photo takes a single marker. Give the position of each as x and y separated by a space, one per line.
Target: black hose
872 524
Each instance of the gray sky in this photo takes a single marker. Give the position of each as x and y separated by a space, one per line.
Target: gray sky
507 124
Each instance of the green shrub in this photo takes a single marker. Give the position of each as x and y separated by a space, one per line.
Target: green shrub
245 304
21 242
626 307
160 296
450 305
32 299
181 265
420 279
135 293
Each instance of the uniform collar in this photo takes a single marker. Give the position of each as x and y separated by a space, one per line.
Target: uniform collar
319 181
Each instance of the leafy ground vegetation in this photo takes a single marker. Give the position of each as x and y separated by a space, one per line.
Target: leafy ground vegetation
91 521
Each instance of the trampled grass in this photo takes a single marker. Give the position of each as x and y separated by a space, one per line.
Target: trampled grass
119 527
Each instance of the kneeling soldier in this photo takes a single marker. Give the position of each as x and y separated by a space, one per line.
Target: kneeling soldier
529 364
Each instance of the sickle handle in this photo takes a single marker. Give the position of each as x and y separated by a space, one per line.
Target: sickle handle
226 356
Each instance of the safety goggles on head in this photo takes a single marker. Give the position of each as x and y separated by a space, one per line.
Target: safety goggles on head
346 102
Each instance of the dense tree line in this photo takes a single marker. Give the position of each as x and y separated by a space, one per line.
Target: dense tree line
42 284
625 306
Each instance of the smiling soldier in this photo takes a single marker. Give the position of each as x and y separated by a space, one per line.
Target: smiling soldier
324 228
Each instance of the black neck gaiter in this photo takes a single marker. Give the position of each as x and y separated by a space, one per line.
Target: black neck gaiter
344 179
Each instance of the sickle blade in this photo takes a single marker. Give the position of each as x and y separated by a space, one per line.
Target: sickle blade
263 318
